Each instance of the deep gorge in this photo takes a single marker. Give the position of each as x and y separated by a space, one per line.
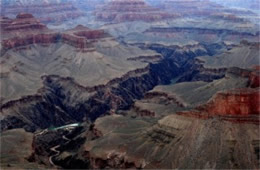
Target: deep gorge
62 101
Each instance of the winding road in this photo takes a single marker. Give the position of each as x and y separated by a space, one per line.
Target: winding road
57 152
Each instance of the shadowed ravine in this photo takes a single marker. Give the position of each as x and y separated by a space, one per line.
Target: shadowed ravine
62 101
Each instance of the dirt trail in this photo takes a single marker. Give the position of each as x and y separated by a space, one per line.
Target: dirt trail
57 152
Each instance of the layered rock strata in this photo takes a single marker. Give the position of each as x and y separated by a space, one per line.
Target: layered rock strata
130 10
26 30
78 102
45 12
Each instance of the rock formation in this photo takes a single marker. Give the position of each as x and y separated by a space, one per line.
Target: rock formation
254 78
206 35
130 10
26 30
137 143
23 22
238 104
167 84
45 12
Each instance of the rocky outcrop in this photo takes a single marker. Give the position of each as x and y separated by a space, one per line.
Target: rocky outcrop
239 105
83 38
30 39
116 160
254 79
197 72
253 75
26 30
211 34
23 22
143 112
242 102
169 98
130 10
173 142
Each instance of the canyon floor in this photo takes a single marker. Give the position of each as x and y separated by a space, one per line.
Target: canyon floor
129 84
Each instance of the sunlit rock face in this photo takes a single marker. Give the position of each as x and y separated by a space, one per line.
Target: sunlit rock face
26 30
239 106
237 102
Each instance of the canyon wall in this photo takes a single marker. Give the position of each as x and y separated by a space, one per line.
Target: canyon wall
45 12
134 10
26 30
57 104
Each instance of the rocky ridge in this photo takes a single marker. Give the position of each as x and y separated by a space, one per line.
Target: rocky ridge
204 35
238 105
16 34
46 12
130 10
79 102
116 141
136 143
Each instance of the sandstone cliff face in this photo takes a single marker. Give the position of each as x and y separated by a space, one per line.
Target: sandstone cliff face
83 38
239 105
30 39
23 22
26 30
242 102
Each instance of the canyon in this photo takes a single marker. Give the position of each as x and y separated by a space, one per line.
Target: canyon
121 84
80 37
164 130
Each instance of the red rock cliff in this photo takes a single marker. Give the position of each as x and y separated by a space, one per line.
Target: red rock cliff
235 102
22 22
25 30
239 105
